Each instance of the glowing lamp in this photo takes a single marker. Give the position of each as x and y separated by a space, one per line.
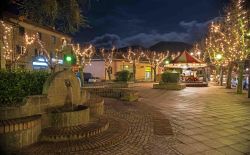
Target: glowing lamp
167 62
218 57
68 58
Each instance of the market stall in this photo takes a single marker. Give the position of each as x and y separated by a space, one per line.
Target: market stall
193 71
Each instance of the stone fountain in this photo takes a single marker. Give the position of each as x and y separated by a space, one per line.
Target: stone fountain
63 112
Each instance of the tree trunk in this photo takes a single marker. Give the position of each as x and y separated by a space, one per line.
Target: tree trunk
8 66
240 78
221 75
154 68
229 75
134 70
109 70
248 92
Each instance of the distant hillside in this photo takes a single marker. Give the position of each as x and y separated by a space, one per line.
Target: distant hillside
171 46
135 47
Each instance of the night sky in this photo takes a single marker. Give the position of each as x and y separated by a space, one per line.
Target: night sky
146 22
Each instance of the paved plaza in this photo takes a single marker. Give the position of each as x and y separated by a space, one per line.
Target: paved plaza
210 120
196 121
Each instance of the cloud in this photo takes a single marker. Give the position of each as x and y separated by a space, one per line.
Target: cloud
193 31
107 41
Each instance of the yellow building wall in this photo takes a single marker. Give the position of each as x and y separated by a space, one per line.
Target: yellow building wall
119 65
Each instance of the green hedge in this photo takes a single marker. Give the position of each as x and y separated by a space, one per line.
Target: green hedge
123 76
168 77
16 85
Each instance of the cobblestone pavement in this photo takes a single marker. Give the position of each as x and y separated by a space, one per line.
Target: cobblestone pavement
209 121
134 129
196 121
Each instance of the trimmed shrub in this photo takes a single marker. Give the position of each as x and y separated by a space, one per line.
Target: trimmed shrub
16 85
168 77
123 76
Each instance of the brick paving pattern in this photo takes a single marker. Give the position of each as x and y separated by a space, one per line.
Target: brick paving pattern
193 121
131 131
209 121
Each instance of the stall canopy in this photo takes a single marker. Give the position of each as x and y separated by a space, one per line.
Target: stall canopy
186 60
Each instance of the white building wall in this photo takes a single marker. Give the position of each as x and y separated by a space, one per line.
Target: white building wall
96 68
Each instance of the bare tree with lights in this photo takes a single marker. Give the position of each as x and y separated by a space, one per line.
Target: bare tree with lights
215 47
10 56
226 43
51 61
155 59
83 56
108 58
237 26
133 57
196 51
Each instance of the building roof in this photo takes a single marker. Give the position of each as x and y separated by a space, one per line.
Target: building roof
185 57
8 16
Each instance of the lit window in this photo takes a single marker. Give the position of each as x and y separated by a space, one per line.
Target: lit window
53 39
21 30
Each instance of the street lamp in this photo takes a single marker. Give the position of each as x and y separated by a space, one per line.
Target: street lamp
218 57
167 62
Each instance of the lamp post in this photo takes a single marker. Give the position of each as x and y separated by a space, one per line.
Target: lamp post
218 57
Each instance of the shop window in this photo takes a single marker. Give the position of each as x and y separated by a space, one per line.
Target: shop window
21 31
64 42
20 49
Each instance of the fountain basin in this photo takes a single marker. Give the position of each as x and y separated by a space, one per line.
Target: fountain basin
65 118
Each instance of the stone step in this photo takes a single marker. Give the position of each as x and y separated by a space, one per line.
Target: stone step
19 124
75 132
117 132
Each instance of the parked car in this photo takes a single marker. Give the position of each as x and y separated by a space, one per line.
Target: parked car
94 79
87 76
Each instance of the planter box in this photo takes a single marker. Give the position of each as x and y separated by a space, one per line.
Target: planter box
169 86
130 96
119 93
122 85
197 84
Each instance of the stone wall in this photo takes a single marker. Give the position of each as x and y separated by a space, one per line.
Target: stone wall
20 132
71 118
119 93
170 86
96 106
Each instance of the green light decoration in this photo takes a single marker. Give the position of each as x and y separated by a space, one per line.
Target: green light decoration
68 58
